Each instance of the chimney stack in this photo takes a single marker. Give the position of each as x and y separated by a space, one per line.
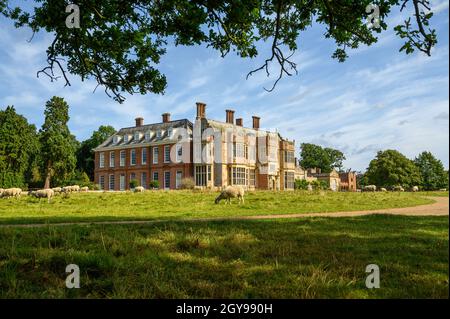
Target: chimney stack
229 116
239 122
139 121
256 122
201 110
166 117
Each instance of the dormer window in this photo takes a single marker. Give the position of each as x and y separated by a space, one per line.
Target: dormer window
137 136
126 138
158 134
116 139
148 135
169 132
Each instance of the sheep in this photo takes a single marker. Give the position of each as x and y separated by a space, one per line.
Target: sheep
1 192
84 189
57 190
415 189
11 192
398 189
370 188
231 192
382 189
139 189
69 189
42 193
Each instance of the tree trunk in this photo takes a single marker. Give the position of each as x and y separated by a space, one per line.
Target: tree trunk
48 176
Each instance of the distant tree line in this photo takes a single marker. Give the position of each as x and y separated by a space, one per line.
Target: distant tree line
48 157
388 169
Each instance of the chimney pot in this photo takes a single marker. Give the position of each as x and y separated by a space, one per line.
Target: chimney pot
139 121
201 107
239 122
256 122
166 117
229 116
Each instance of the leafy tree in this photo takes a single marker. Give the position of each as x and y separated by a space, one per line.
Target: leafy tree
361 180
57 144
327 159
336 158
391 168
85 153
432 171
18 148
312 156
120 43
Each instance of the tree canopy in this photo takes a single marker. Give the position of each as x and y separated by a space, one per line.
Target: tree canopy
18 148
327 159
431 169
57 144
120 43
85 154
391 168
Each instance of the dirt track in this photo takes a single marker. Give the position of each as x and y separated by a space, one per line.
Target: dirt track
439 208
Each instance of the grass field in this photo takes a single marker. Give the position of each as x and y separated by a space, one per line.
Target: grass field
289 258
170 205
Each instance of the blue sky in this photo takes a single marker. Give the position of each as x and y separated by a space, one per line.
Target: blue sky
378 99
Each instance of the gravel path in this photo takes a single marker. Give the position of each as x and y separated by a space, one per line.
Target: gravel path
439 208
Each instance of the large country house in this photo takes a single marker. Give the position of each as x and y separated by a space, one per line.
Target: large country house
212 153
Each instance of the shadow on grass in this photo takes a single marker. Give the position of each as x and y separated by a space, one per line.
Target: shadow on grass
308 258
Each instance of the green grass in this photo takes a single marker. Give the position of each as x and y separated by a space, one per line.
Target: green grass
154 205
435 193
289 258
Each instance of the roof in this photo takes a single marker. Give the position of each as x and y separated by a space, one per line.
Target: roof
163 127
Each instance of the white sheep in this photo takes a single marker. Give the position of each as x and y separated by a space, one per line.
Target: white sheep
231 192
398 189
415 188
139 189
84 189
43 193
57 190
382 189
370 188
1 192
11 192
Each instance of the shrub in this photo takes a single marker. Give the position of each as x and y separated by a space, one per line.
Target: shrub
134 183
154 184
301 184
187 183
320 185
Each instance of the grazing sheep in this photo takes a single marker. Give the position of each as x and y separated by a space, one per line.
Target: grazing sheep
43 193
84 189
415 189
57 190
70 189
443 189
398 189
1 192
139 189
11 192
382 189
231 192
370 188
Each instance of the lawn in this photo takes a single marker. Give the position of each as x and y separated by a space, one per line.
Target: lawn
170 205
288 258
